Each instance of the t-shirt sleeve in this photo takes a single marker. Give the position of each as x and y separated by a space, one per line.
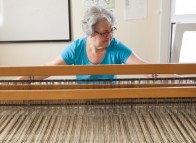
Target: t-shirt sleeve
123 52
68 54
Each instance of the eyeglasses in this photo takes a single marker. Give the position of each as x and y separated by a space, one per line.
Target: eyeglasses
105 34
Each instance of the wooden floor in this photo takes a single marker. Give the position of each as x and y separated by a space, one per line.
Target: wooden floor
97 124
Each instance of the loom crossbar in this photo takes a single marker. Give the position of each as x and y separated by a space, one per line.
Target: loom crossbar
159 92
126 92
99 69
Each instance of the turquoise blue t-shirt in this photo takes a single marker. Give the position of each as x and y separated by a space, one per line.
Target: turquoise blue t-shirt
75 54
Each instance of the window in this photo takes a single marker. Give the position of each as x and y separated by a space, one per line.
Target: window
185 7
183 11
184 43
1 12
188 48
177 18
183 18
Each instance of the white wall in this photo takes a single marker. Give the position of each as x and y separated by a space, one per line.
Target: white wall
143 36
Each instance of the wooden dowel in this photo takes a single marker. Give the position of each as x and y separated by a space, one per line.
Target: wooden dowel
159 92
99 69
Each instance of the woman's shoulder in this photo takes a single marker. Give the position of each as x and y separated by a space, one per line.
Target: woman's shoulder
80 41
115 43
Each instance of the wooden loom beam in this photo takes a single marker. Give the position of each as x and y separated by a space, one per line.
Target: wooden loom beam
99 69
97 93
56 94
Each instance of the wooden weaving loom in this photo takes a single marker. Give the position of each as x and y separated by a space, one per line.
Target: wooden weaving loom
121 110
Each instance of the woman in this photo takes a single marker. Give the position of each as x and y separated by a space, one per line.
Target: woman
98 47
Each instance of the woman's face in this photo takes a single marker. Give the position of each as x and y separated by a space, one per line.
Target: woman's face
103 34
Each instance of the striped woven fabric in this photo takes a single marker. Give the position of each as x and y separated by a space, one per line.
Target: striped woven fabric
97 124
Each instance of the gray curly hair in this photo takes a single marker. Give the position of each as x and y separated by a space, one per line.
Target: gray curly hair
93 16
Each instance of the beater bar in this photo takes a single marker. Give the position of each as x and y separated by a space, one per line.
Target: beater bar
99 69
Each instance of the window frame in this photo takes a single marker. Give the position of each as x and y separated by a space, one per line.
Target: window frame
180 28
188 18
168 20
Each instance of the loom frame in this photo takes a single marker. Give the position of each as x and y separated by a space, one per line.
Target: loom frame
58 94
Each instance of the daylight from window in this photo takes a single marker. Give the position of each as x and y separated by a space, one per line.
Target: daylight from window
184 7
1 12
188 49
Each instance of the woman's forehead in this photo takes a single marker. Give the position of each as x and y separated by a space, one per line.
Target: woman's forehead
103 25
